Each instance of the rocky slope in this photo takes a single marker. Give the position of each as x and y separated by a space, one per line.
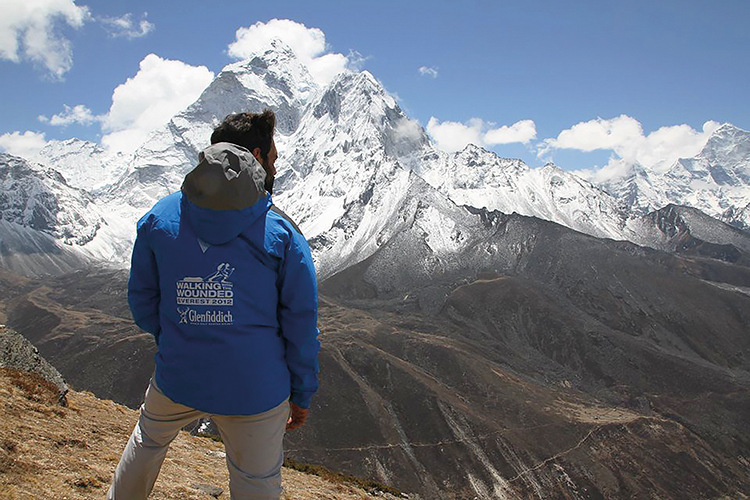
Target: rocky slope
17 353
628 327
689 231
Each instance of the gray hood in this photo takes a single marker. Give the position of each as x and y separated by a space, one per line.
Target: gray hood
227 177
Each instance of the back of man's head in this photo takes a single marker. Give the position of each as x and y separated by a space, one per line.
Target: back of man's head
249 130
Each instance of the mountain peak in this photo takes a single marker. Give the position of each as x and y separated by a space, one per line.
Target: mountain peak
473 149
366 78
727 133
275 53
277 68
728 128
727 156
363 83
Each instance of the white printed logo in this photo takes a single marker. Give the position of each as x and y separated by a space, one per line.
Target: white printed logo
213 290
183 314
193 317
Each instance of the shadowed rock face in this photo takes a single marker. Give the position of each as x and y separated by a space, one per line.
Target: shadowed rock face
34 253
17 353
539 363
689 232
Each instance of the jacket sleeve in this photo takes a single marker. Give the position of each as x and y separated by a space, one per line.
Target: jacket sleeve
298 319
143 286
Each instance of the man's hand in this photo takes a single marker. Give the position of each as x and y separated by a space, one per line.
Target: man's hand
297 417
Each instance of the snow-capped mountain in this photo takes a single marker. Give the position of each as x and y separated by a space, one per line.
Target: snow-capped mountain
716 181
39 198
275 79
479 178
343 180
49 226
84 164
349 157
343 151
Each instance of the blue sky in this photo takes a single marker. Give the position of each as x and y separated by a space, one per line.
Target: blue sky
582 83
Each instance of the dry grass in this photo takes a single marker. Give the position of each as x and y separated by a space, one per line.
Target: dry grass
49 451
591 414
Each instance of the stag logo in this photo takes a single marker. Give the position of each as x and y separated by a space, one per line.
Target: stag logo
183 314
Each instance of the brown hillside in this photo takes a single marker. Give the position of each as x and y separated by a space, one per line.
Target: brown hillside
49 451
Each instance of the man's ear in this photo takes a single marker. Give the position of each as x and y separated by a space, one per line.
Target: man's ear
256 154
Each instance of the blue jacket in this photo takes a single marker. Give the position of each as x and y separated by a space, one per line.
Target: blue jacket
226 284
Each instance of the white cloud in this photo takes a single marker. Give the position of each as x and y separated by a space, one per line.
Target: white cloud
454 136
408 130
26 145
125 27
308 44
428 71
148 100
665 145
616 168
522 131
598 134
79 114
159 90
624 136
28 32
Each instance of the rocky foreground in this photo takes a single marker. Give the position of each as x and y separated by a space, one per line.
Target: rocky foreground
69 452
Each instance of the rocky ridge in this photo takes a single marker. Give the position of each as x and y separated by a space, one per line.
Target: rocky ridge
17 353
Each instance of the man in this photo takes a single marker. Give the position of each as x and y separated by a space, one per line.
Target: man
226 284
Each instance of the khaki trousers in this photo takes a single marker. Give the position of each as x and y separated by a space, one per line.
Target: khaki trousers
253 443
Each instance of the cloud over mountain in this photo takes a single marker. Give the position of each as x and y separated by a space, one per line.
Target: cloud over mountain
161 88
625 137
308 44
454 136
26 144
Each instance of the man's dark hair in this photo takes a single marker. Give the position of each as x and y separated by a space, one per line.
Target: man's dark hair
249 130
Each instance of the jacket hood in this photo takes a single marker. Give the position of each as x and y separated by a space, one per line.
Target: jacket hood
224 193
